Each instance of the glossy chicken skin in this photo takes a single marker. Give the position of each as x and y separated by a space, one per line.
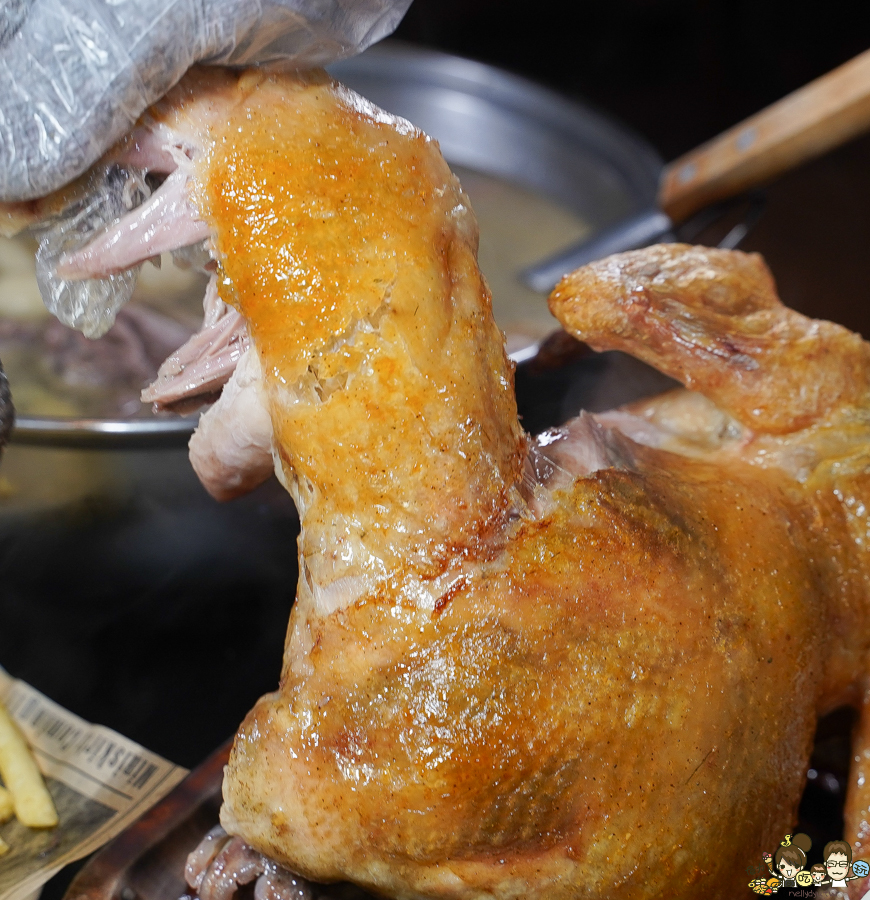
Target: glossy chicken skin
349 247
587 665
588 715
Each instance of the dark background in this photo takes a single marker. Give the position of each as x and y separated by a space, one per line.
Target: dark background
678 71
681 71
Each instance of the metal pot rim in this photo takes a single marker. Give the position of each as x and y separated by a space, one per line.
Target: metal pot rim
103 433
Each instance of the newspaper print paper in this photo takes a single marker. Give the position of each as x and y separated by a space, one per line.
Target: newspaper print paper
99 780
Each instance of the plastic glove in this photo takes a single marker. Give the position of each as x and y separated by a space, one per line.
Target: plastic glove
76 74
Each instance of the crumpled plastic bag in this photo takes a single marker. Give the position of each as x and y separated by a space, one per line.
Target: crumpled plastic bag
89 305
76 74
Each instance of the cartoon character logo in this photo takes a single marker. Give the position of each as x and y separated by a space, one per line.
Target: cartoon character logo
791 858
788 866
838 862
819 874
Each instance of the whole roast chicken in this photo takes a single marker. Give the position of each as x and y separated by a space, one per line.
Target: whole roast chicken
587 664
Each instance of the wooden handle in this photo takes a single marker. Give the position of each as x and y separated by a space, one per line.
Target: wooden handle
805 124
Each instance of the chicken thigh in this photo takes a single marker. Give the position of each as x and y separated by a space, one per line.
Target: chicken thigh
584 665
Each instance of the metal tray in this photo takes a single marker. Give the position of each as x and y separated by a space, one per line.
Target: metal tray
146 862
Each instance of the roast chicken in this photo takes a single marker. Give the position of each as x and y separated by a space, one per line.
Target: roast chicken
586 664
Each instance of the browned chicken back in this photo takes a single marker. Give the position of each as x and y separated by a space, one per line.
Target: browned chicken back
587 665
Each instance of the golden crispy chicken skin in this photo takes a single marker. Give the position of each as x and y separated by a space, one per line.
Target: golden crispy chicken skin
350 249
585 665
620 705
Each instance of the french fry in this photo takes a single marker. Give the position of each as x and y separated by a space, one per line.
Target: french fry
7 807
33 804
